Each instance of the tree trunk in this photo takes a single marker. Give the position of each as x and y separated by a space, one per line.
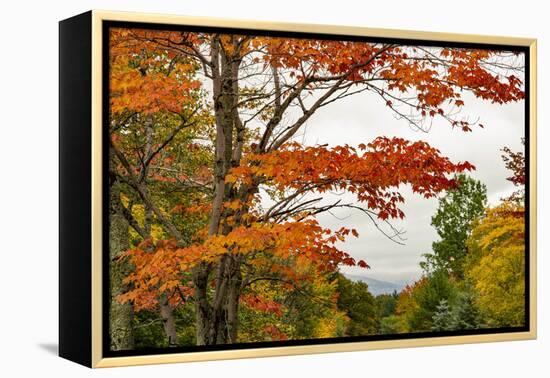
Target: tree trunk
169 323
202 305
232 303
166 312
216 319
121 316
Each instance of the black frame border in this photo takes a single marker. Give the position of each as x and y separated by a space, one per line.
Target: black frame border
107 25
75 197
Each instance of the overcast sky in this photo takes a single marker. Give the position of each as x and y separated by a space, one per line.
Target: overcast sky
363 117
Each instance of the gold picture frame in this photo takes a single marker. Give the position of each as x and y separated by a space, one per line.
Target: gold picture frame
89 266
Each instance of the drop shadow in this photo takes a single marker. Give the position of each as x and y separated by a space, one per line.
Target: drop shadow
51 348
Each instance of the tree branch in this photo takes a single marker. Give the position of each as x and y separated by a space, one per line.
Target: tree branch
138 186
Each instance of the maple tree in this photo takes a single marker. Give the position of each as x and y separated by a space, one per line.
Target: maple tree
496 266
156 115
515 162
217 246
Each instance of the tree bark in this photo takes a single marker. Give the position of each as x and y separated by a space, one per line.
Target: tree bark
232 303
121 316
212 315
202 305
168 320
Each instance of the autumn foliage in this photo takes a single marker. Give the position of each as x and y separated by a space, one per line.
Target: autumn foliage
372 172
491 291
203 128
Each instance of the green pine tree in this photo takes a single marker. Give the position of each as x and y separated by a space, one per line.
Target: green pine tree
444 318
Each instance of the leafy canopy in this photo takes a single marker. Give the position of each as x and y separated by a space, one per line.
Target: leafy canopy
457 209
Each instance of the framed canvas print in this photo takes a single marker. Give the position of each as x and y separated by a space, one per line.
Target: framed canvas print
234 189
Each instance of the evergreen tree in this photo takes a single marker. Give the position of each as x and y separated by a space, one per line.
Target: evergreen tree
444 318
438 287
467 313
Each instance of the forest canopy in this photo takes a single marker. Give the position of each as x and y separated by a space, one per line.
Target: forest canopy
204 127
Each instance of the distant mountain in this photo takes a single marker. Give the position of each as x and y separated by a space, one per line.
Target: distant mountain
377 287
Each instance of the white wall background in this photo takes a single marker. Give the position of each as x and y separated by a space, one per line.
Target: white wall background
28 187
